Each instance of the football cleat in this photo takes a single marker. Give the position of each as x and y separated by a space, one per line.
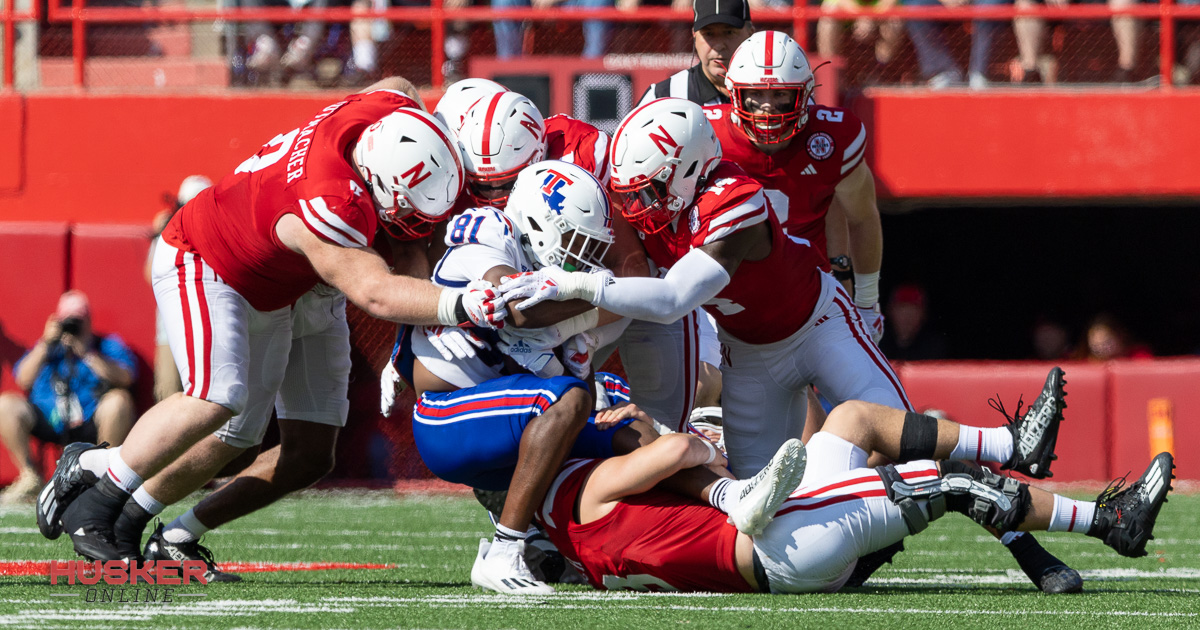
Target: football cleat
548 564
158 548
762 494
1051 575
1125 516
1036 432
89 521
69 481
506 572
128 529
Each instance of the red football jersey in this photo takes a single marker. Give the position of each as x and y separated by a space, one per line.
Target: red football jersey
579 143
766 300
799 180
305 172
654 541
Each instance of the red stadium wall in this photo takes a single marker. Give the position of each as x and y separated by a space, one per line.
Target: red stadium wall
108 159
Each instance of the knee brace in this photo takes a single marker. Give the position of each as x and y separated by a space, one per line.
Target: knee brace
905 496
918 439
987 498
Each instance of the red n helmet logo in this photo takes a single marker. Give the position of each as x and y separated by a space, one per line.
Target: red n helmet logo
664 139
416 175
529 123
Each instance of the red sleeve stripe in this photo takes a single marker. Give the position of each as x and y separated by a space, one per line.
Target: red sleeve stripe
324 222
749 213
601 153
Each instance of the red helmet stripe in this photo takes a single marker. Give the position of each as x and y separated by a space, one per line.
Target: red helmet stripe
770 55
487 127
612 146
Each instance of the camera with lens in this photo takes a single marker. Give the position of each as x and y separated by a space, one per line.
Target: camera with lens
71 326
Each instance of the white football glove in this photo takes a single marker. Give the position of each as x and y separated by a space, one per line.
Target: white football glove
873 320
578 352
537 359
485 306
551 283
453 342
390 385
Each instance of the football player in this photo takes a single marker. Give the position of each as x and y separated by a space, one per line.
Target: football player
621 532
809 159
232 262
505 416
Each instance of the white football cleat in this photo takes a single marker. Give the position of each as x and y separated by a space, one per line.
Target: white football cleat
762 494
506 573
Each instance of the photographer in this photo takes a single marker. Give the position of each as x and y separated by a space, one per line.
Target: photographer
76 391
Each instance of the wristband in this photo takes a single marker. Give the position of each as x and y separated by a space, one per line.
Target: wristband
866 289
712 451
450 311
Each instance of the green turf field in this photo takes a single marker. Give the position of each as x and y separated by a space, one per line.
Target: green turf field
951 577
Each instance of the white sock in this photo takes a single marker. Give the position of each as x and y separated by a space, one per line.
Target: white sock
148 503
121 474
186 528
1071 515
503 540
723 495
95 461
365 55
983 445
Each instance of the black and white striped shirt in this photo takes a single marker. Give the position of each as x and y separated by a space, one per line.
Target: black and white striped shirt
690 84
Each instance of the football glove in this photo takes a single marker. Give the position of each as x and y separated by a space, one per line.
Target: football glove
390 385
873 320
453 342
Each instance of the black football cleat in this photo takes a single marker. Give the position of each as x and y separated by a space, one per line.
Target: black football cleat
69 481
1035 433
157 548
1125 517
870 563
89 521
1051 575
128 529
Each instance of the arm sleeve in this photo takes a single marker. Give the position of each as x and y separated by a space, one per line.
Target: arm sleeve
692 281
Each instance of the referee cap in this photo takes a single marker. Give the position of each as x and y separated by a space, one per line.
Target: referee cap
732 12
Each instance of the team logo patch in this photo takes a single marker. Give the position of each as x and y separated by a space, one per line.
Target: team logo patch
820 145
694 220
552 190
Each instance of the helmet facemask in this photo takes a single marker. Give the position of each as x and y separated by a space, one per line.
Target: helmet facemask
647 203
772 128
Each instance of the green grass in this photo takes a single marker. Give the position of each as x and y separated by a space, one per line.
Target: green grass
951 577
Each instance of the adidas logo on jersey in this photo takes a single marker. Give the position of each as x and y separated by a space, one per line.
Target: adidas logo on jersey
809 170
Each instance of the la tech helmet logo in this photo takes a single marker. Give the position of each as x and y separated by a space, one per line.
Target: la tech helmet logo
552 189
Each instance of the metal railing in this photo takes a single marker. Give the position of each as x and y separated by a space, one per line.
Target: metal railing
1166 13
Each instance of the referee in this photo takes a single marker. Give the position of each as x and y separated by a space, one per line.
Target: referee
718 28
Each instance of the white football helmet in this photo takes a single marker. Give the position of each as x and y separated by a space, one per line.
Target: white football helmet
459 97
661 154
563 215
191 186
770 60
501 134
413 169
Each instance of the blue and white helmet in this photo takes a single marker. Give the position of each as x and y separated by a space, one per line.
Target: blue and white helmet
563 215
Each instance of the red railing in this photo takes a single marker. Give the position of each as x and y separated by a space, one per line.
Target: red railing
1166 13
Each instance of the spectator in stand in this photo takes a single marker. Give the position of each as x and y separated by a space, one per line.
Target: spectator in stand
1106 339
1051 341
1187 70
267 57
510 34
1030 34
887 32
166 376
937 63
908 337
76 390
